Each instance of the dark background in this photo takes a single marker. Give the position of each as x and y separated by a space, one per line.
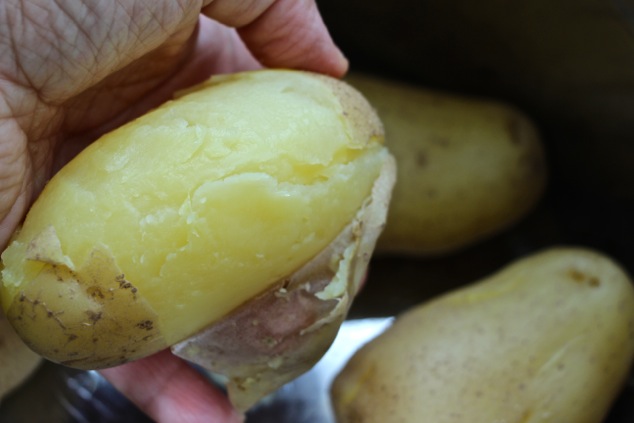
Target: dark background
569 64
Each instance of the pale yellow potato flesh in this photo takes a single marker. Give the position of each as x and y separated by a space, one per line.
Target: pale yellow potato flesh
468 168
169 223
547 339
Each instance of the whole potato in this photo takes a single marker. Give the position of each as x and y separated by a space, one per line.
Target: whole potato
548 339
467 168
248 191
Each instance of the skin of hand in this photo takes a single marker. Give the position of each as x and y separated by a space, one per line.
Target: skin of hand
72 70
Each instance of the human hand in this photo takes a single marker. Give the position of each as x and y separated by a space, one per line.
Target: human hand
72 70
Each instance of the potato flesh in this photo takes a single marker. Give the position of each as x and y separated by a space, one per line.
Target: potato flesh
548 339
204 202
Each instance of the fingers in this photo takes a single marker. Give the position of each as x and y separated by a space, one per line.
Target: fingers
64 47
168 390
282 33
14 187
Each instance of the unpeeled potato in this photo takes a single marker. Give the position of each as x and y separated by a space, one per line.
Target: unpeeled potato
257 194
548 339
468 168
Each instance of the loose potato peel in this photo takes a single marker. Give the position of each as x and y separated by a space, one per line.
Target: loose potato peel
283 332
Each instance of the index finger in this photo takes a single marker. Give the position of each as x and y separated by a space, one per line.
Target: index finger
282 33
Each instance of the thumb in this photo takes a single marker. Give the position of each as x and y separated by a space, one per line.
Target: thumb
282 33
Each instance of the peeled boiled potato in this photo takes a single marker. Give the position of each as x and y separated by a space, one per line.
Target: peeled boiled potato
468 168
249 191
548 339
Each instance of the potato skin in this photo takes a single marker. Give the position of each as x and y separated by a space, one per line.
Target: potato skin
547 339
467 168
